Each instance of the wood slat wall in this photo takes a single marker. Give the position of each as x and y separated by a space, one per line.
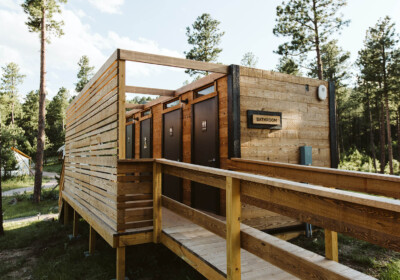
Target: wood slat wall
135 195
158 110
91 147
305 119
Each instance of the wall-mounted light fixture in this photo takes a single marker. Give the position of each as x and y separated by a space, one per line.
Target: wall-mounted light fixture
136 119
186 101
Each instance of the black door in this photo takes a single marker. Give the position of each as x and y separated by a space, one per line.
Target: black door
146 143
172 149
130 141
205 152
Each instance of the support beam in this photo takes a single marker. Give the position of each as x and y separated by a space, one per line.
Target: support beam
331 245
92 240
75 224
120 263
157 183
233 213
133 106
67 213
151 91
172 61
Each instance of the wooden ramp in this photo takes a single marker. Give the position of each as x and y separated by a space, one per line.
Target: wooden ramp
211 249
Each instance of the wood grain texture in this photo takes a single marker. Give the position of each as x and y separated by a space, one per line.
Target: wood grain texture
331 245
276 252
386 185
305 119
157 184
233 214
120 263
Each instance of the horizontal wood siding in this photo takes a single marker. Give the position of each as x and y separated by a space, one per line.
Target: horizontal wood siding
135 195
91 148
305 119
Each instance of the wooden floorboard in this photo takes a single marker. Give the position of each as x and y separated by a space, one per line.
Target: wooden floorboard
212 248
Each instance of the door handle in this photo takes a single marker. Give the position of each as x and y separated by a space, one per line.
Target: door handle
212 160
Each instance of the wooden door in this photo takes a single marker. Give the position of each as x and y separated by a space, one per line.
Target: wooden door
146 141
172 149
130 141
205 152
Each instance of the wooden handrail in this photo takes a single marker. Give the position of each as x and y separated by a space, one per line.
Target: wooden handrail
370 218
289 257
386 185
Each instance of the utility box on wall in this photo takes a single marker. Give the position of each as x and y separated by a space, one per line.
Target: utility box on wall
306 155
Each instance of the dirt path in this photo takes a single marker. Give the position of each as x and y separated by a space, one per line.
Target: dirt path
30 219
47 185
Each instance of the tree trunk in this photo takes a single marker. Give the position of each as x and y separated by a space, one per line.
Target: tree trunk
1 198
12 113
386 96
398 133
382 138
317 42
371 134
42 108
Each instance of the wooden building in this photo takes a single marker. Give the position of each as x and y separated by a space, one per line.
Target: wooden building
211 120
219 158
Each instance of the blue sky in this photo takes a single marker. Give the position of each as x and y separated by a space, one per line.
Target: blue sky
97 27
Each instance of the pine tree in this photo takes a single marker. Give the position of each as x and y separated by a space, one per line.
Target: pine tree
41 20
85 73
308 23
289 66
249 60
29 121
336 64
55 119
9 88
382 41
204 36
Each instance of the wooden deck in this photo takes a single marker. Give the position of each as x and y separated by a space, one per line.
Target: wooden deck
211 249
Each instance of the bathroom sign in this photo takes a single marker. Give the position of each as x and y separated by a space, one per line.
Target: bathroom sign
264 119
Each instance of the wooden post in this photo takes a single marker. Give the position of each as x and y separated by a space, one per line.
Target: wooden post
92 240
157 182
120 263
75 224
121 109
233 213
67 216
331 245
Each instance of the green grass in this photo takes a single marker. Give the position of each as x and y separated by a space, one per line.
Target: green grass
58 257
19 182
25 207
53 167
360 255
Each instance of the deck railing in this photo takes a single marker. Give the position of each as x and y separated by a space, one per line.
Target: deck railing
370 218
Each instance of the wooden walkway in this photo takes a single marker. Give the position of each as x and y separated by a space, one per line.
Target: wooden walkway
211 249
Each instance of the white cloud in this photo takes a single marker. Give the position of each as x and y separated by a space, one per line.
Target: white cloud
108 6
10 4
21 46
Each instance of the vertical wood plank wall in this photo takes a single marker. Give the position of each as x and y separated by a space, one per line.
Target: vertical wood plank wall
305 119
92 145
157 112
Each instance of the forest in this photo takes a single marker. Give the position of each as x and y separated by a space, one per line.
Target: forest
367 89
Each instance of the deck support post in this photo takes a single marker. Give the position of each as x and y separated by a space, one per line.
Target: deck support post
120 263
75 224
157 183
233 213
67 213
92 240
331 245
